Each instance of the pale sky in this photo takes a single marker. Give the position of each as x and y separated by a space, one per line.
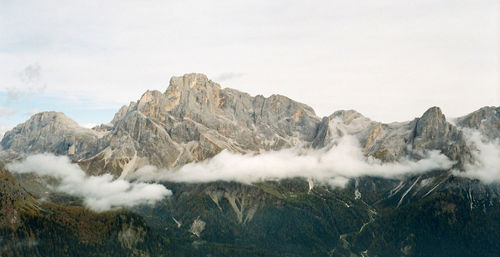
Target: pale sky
388 59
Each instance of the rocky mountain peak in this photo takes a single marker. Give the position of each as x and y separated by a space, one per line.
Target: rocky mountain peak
192 81
432 123
51 117
432 131
42 121
486 120
194 120
149 96
433 126
50 132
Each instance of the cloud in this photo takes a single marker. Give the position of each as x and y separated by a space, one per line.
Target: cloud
88 125
6 111
334 166
30 81
486 165
223 77
31 74
99 193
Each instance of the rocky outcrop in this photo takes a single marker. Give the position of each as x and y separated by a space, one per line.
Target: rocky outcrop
197 227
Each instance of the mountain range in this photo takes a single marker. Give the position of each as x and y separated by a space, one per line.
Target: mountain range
443 210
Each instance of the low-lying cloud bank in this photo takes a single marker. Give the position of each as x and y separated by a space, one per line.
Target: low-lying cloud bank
99 193
333 167
486 166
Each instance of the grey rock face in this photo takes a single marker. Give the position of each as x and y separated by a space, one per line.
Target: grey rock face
432 131
51 132
486 120
390 142
194 119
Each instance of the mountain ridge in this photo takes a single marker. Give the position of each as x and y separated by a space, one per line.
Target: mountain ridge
195 119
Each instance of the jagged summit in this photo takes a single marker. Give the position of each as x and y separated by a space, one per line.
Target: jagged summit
194 119
192 80
434 119
486 120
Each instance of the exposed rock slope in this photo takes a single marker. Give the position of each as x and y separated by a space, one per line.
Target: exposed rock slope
486 120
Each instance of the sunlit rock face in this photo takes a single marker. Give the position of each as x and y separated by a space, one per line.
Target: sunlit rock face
195 119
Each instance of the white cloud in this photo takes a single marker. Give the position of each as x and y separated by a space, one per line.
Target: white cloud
100 193
29 81
334 166
486 166
227 76
88 125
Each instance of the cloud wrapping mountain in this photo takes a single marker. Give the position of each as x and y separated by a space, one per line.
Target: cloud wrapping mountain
334 166
99 193
198 132
487 158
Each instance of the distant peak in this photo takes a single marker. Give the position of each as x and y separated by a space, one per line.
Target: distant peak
51 116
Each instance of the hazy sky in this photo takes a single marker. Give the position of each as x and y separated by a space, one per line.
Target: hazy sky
390 60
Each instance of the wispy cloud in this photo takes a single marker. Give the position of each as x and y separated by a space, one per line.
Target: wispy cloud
333 167
226 76
486 165
30 81
99 193
88 125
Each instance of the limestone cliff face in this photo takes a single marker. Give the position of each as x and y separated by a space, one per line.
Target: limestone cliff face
194 119
51 132
412 139
486 120
432 131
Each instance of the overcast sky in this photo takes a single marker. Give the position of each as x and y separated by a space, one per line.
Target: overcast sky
388 59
